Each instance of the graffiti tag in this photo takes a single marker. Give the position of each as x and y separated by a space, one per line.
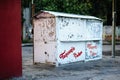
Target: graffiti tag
77 54
93 53
65 54
90 46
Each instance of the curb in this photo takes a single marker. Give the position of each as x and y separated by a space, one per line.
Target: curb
108 43
27 44
108 53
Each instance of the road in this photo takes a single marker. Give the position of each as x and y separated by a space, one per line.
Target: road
106 69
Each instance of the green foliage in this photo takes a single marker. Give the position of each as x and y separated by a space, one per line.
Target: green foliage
99 8
27 41
25 3
68 6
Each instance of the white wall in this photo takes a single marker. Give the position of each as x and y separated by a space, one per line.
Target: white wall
107 30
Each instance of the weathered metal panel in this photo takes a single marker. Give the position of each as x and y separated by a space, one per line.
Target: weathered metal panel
81 33
67 39
93 29
74 29
71 29
44 52
44 29
44 15
58 14
93 50
68 52
44 40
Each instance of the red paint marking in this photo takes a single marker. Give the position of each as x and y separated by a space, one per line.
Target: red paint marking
62 54
91 47
93 53
78 54
65 54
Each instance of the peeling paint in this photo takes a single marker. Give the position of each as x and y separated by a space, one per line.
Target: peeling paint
61 40
93 50
45 29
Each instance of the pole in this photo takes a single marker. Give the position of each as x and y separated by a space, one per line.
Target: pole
33 8
33 11
113 26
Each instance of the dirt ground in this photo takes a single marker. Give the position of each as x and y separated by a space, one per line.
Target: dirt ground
105 69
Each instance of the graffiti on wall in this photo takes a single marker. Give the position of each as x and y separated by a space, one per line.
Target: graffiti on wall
76 55
92 50
90 46
65 53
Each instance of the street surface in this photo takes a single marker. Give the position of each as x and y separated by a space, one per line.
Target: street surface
106 69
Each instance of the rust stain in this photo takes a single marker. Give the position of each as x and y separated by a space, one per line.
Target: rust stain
44 15
50 23
45 29
45 42
51 34
45 52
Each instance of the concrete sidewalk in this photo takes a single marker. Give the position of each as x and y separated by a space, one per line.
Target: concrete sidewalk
109 48
107 68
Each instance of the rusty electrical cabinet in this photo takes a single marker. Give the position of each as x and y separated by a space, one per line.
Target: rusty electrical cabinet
61 38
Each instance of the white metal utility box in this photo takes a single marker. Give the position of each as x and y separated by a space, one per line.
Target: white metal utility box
61 38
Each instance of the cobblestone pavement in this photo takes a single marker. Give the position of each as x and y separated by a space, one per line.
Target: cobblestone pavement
106 69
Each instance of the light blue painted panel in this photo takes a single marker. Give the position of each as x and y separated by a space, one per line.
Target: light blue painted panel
68 52
93 50
71 29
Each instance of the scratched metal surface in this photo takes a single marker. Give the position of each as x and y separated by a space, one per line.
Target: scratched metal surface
44 53
58 14
44 29
93 29
78 40
70 52
93 50
44 39
64 40
75 29
71 29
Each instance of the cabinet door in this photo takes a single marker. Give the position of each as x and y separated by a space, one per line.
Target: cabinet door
93 50
71 29
93 29
68 52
